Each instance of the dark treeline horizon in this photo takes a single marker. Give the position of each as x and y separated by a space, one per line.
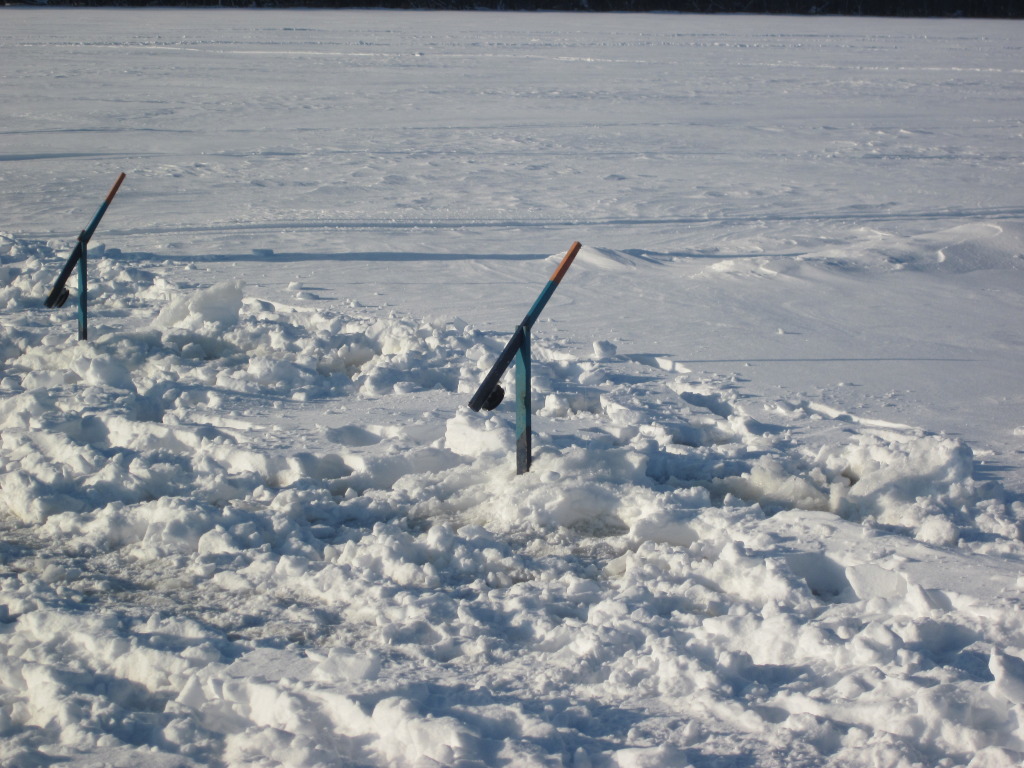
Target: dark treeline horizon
1003 9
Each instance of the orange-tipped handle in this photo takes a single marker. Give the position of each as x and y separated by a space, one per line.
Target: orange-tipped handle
113 189
566 262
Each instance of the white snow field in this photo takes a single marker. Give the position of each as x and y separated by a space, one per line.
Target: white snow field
775 514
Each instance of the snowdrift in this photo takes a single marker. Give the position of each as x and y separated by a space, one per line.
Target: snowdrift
238 532
774 518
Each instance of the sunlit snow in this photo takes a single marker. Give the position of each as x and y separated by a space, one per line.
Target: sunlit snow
774 516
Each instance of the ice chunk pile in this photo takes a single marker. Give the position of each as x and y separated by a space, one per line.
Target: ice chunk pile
243 533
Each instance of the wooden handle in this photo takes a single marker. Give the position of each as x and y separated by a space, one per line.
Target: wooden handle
566 262
113 189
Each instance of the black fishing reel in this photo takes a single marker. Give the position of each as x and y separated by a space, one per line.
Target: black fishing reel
494 398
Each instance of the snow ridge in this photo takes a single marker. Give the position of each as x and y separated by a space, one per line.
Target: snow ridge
243 533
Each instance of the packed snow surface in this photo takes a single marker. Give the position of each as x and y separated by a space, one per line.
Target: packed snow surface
776 508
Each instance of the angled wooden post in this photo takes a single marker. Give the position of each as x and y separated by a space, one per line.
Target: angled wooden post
78 258
489 394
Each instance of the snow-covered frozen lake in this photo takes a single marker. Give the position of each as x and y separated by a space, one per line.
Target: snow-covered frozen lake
775 514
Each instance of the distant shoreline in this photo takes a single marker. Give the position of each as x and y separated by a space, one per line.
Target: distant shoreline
994 9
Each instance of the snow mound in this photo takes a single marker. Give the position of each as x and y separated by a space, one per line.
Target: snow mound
952 250
238 532
609 259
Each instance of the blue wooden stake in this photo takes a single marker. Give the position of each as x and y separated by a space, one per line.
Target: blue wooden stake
524 406
83 294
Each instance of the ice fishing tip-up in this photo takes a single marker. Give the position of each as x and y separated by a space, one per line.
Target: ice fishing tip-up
78 257
490 393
